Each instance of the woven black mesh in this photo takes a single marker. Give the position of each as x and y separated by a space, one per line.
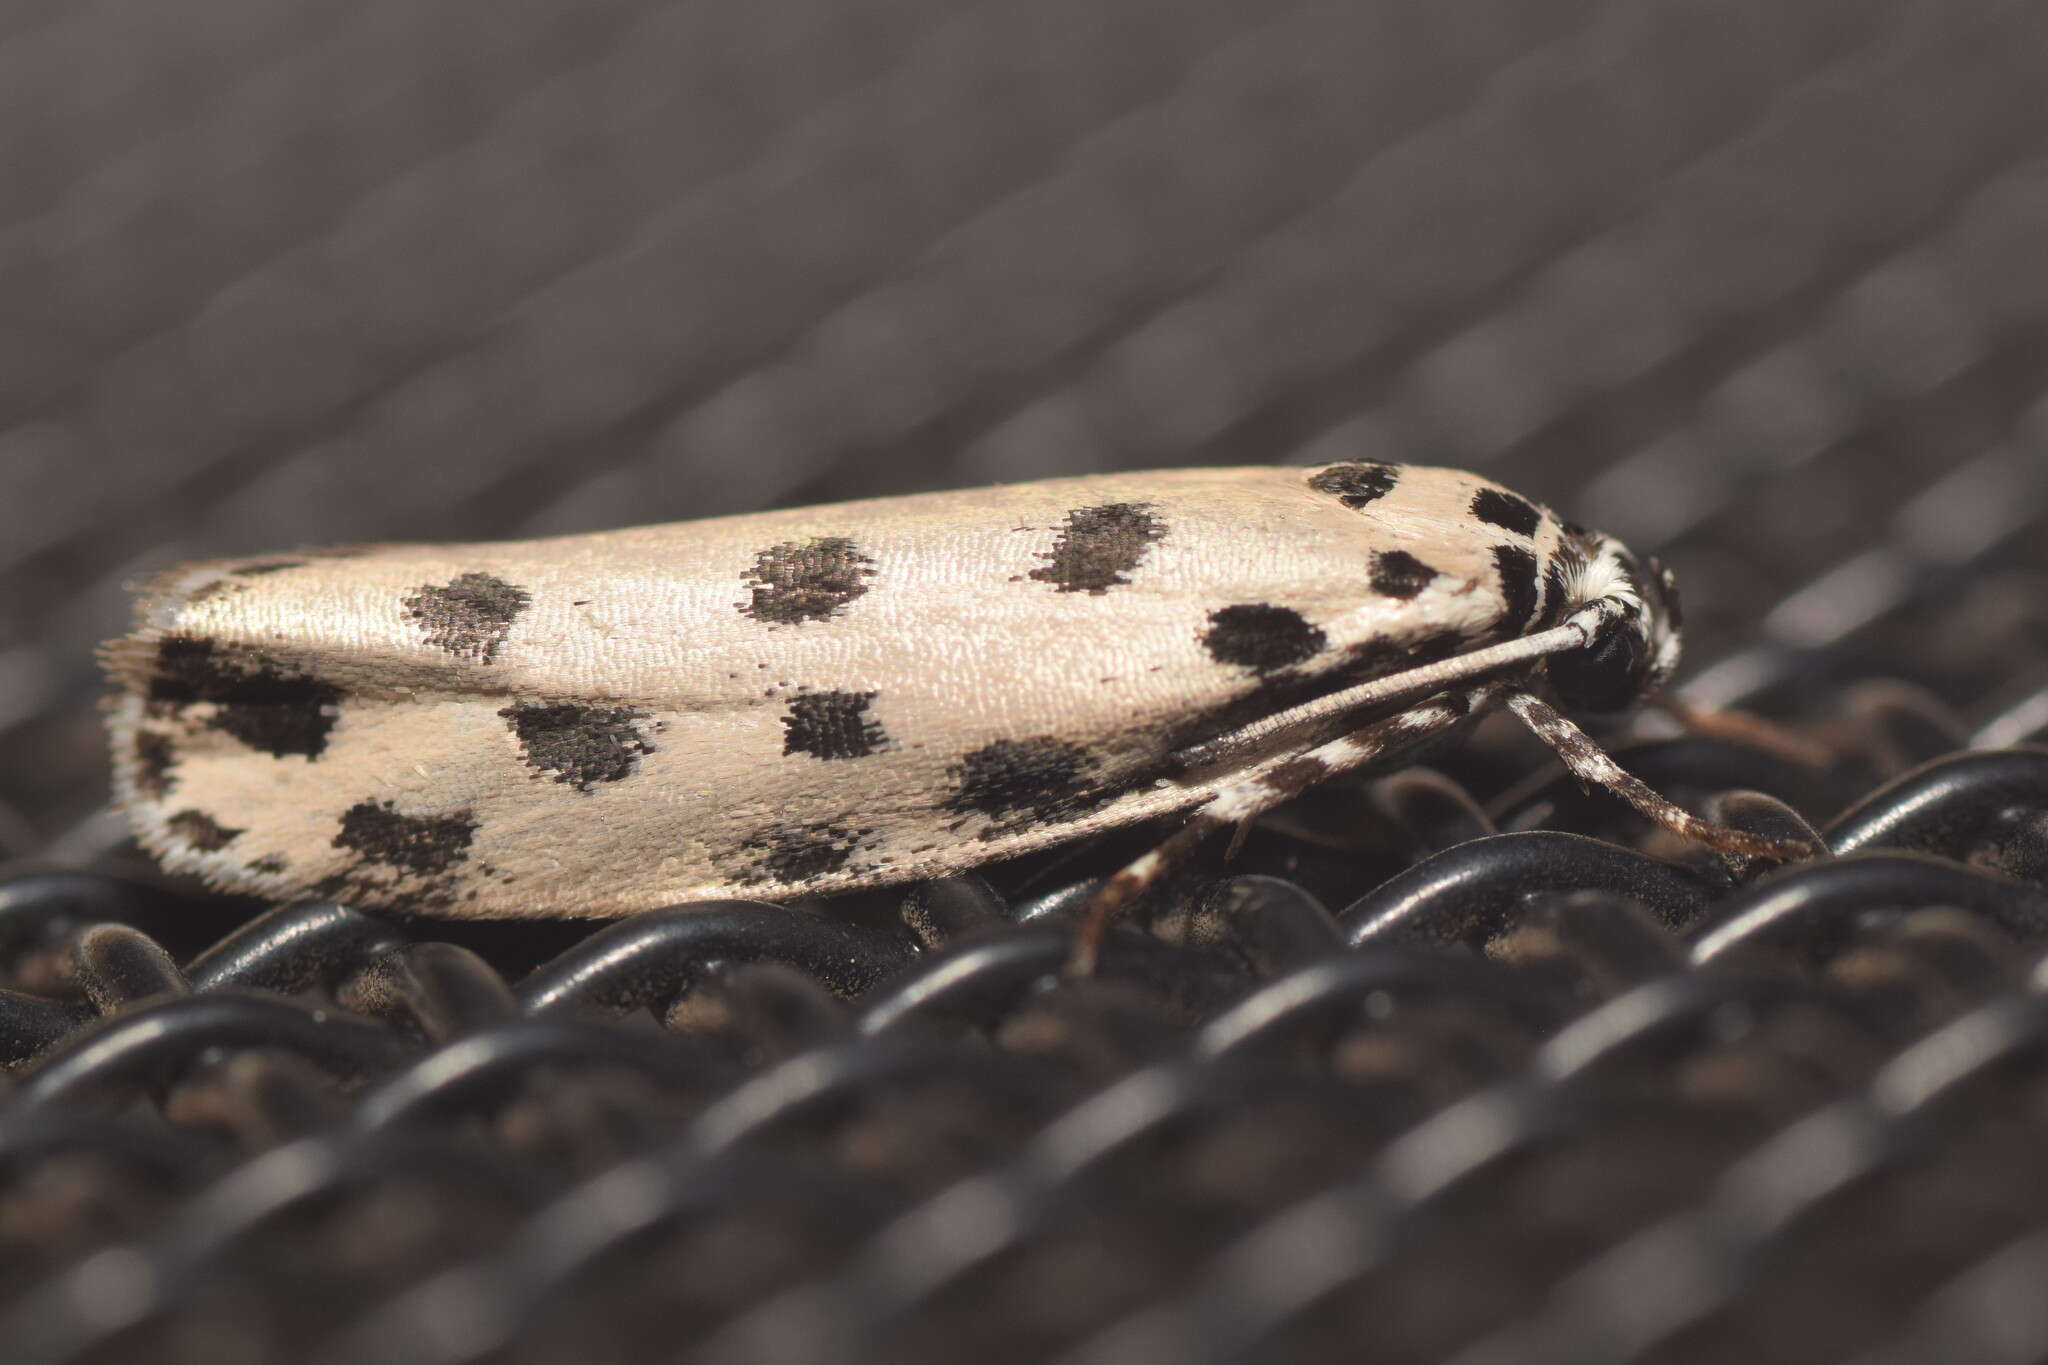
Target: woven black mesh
1426 1072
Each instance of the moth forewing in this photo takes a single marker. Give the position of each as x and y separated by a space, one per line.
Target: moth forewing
808 700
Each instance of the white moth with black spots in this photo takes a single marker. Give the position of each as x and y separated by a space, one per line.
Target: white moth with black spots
838 697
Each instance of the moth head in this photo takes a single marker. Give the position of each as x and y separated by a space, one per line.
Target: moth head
1635 643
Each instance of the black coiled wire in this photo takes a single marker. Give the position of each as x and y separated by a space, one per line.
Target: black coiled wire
1535 1095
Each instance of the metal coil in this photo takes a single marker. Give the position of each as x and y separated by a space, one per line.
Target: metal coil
1602 1102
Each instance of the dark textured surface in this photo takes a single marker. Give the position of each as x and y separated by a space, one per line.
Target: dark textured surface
1427 1072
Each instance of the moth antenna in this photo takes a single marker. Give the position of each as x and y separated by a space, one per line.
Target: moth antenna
1590 763
1742 727
1397 688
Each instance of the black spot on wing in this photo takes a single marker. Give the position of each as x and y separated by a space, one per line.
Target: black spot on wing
469 616
1518 589
187 671
155 756
1556 590
1098 547
267 566
1498 507
794 854
1355 485
832 725
1020 782
579 745
1398 574
269 865
202 831
806 580
1261 637
422 844
254 700
1561 577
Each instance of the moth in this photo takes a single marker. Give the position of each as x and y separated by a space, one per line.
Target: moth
815 700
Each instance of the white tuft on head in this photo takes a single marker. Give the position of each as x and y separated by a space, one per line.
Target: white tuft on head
1634 648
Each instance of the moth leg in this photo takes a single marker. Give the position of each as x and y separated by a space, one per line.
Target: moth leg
1590 763
1273 783
1744 728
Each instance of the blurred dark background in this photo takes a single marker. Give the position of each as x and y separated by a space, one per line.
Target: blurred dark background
1759 284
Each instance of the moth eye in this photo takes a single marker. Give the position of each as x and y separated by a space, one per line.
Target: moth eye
1607 675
